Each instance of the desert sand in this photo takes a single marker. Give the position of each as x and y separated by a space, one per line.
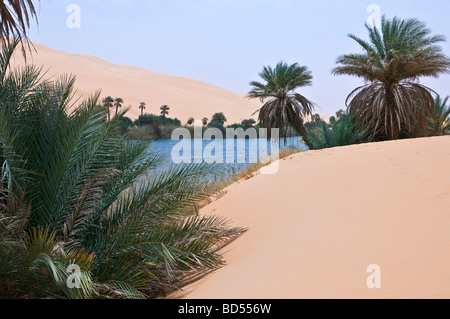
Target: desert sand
186 97
316 225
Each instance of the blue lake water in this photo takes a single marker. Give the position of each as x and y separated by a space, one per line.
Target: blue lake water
228 155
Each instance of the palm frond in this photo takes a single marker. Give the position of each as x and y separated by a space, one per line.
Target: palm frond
393 103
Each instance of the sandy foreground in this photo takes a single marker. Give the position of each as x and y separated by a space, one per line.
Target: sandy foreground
186 97
316 225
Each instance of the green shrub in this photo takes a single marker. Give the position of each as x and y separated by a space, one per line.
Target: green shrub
341 132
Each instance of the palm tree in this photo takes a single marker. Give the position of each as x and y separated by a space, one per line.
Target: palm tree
108 105
142 107
248 123
164 110
118 104
190 121
72 191
316 118
439 124
15 16
393 102
218 118
205 121
283 106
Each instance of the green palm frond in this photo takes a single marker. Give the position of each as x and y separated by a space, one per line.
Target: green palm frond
282 105
342 132
396 56
439 124
16 16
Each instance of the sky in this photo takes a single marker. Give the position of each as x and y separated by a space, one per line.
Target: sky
227 42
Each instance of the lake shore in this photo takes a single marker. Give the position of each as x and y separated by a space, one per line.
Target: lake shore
317 224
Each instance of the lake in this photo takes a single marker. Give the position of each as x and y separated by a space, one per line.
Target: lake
228 155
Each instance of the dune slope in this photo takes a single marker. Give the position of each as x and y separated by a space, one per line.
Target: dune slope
185 96
316 225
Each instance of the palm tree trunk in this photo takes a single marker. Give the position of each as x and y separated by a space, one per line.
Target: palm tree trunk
310 146
394 132
301 130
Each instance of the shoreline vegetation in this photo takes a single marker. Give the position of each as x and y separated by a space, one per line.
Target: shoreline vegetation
151 127
79 216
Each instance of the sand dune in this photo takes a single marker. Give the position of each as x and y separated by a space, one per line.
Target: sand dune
186 97
316 225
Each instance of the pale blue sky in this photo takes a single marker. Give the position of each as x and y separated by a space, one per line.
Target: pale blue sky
227 42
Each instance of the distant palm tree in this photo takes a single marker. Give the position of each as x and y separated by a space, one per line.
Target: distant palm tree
205 121
142 107
248 123
282 105
15 16
108 105
316 118
219 118
164 110
118 104
439 124
190 121
339 113
397 55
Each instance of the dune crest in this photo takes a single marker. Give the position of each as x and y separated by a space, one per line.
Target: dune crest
185 96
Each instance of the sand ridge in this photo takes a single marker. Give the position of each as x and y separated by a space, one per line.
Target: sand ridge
185 96
334 213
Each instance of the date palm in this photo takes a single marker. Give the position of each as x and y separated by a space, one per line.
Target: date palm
73 191
191 121
142 107
283 106
393 102
164 110
118 104
108 104
439 124
219 118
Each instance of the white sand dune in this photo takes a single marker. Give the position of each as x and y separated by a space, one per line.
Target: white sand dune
186 97
316 225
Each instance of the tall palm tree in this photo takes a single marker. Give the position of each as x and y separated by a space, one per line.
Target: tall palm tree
393 102
108 104
283 106
15 16
439 124
205 121
118 104
142 107
164 110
